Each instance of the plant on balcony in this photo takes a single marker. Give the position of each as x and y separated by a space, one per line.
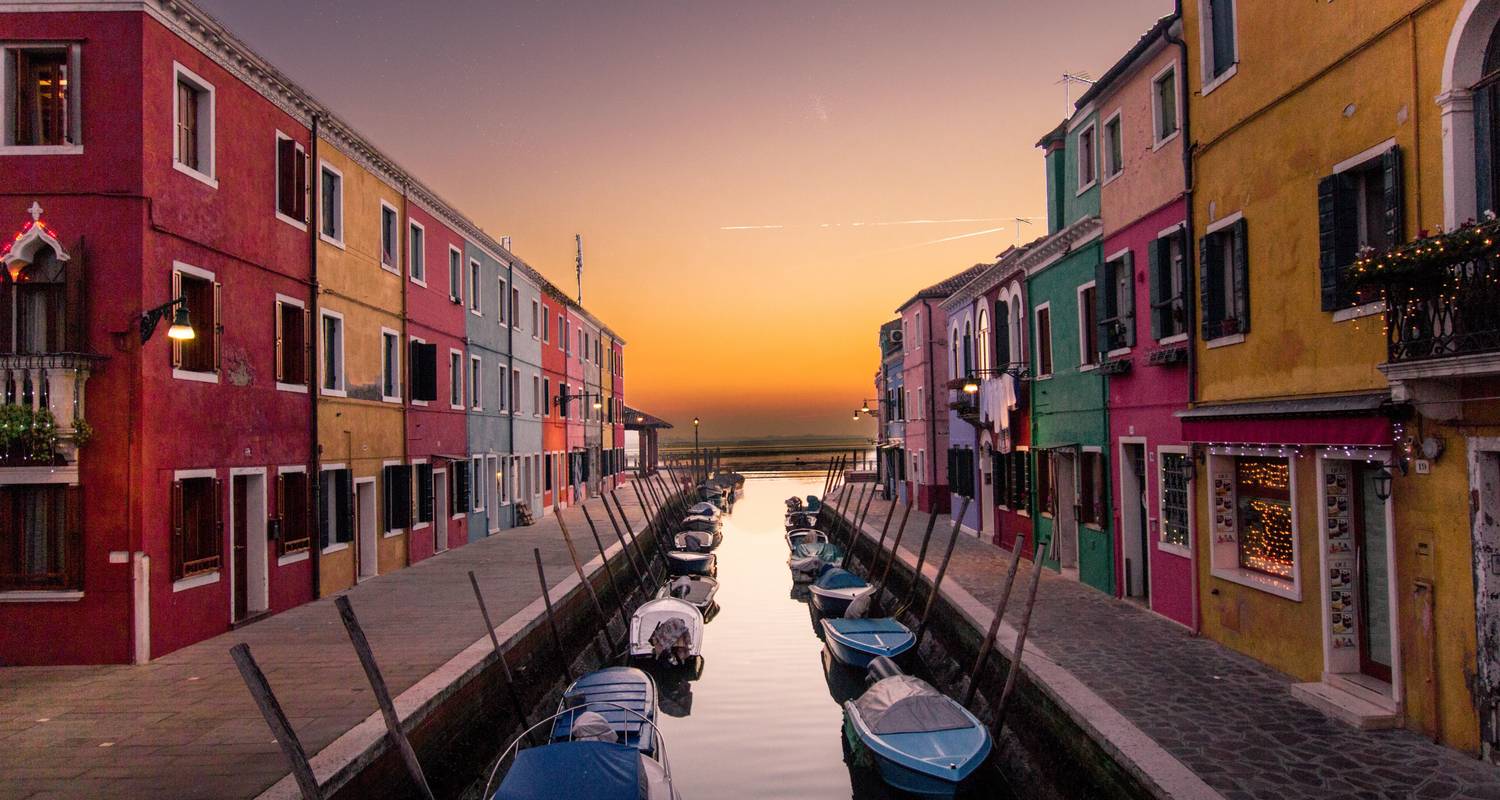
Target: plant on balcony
27 435
1428 260
82 431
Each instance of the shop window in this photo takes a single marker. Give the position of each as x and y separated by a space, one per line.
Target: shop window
292 504
1176 513
1167 260
336 510
197 526
1361 209
1225 281
291 343
43 84
1263 513
41 537
201 295
1092 488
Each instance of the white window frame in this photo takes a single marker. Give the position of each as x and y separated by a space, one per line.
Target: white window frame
206 143
395 266
456 380
1234 338
75 104
515 305
276 183
515 391
1036 357
343 387
1161 502
476 292
477 496
1111 170
1090 128
292 558
535 315
204 578
416 502
383 490
504 299
332 513
198 376
455 287
287 300
476 382
536 395
411 340
1206 43
1221 552
416 252
337 240
387 333
1159 141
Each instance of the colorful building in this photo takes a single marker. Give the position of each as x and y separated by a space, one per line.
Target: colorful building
528 401
966 352
554 388
890 394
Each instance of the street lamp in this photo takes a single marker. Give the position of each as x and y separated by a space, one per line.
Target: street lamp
181 328
1383 484
971 386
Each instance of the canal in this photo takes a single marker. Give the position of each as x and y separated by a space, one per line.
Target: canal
764 717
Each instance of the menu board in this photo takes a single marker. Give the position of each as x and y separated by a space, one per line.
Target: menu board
1340 561
1225 530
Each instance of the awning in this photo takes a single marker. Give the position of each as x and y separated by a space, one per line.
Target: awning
1362 420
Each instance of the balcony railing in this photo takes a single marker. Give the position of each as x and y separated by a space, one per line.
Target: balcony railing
51 382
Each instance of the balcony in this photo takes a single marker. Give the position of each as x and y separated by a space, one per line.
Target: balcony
42 421
967 406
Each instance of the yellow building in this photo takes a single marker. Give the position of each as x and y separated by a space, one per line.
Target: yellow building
360 336
1328 546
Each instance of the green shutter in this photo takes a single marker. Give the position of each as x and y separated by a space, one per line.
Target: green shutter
1211 315
1241 292
1127 314
1395 196
1102 316
1156 273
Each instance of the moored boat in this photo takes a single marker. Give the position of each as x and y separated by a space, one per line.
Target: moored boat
811 559
804 536
697 541
696 590
835 589
625 697
686 562
667 630
857 642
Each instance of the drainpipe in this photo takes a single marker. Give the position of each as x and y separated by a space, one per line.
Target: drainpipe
510 366
315 447
403 234
931 396
1187 193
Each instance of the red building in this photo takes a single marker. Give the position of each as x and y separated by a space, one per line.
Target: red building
555 480
139 171
576 405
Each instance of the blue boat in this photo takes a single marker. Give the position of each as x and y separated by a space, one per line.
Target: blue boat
855 642
811 559
624 696
921 740
835 589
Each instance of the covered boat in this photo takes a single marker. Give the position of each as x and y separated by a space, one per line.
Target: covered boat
801 519
835 589
705 510
856 642
804 536
923 742
588 763
696 590
811 559
689 562
622 698
697 541
701 523
667 630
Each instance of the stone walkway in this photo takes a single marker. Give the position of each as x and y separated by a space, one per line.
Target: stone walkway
184 725
1226 717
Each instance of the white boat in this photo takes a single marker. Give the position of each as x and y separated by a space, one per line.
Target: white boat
798 536
667 630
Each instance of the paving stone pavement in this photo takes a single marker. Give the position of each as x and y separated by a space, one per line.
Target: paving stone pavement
184 725
1227 717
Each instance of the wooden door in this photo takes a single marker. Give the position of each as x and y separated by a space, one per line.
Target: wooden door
241 545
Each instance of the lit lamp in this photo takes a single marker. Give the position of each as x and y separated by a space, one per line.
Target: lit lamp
14 269
971 386
1383 484
864 409
639 419
181 328
598 405
856 416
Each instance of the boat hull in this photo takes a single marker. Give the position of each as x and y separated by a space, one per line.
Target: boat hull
833 602
854 651
684 563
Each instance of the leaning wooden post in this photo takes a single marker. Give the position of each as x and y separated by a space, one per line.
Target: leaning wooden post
640 579
609 571
510 680
639 548
937 582
989 637
562 655
588 586
281 727
859 524
921 559
875 559
648 526
1015 660
382 694
895 548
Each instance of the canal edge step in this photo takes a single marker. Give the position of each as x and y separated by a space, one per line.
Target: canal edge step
1133 750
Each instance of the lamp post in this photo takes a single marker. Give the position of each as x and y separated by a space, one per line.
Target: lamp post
181 328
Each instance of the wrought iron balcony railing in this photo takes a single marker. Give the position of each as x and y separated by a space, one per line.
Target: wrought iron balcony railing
52 383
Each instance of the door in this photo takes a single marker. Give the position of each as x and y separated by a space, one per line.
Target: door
1371 538
986 493
365 523
1066 524
1133 527
439 511
249 548
241 545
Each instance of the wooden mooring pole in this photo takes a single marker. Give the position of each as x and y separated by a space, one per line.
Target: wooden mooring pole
562 655
916 582
639 548
588 586
849 555
281 727
937 581
1015 660
510 679
989 637
895 547
609 572
382 694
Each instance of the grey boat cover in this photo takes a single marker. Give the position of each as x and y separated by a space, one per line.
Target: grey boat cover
591 726
672 641
906 704
697 541
705 509
697 592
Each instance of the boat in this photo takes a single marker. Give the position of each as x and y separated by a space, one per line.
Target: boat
801 519
922 741
704 509
666 630
793 503
687 562
701 523
798 536
697 541
696 590
625 697
814 504
856 642
590 764
835 589
811 559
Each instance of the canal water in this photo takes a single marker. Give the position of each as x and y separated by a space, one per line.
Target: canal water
764 718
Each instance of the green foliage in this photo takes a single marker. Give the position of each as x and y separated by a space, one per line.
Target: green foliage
27 434
1430 260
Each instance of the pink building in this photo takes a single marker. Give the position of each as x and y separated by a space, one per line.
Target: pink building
1145 313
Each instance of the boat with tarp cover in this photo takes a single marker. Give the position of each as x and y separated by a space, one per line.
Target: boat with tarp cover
835 589
591 763
921 740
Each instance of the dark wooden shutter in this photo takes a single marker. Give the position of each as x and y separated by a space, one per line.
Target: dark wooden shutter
1395 196
1241 278
278 529
346 505
218 529
1211 315
1103 320
286 177
1338 238
1184 304
72 544
75 332
218 323
424 493
281 354
387 496
25 97
326 487
304 189
307 347
423 371
1127 313
178 531
402 496
1160 285
176 344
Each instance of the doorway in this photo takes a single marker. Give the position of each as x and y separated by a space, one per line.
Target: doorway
1371 547
987 459
1065 534
1135 548
365 524
248 551
439 511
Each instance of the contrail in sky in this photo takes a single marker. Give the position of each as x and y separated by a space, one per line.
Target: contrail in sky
951 221
970 235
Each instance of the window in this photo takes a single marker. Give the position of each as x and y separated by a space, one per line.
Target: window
416 259
515 390
1018 480
1225 281
546 326
1087 159
1164 105
1091 489
536 396
1114 148
501 298
390 366
422 367
43 93
1088 326
1044 341
515 306
1116 292
455 275
476 383
1046 484
41 537
1220 51
201 295
917 328
474 288
504 391
292 500
197 526
1360 209
331 205
193 117
921 403
425 496
1167 257
333 353
397 479
455 379
534 313
547 395
476 474
1176 469
336 509
1263 515
390 238
458 495
961 471
564 335
291 343
291 181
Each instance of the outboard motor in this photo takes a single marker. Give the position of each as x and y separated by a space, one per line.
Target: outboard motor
881 667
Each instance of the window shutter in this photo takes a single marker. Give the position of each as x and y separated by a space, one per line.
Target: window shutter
307 346
1338 238
1127 314
304 186
1205 286
423 371
1156 273
218 322
388 498
1185 300
279 529
176 344
325 487
1241 278
177 529
218 545
76 290
280 347
1102 317
346 505
72 547
1395 196
286 176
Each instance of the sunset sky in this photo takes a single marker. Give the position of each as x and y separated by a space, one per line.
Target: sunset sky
759 184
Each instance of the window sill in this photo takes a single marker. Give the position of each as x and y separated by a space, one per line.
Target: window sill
194 375
455 407
1112 178
421 525
1281 587
292 558
1366 310
292 221
458 516
203 178
1118 352
1160 143
40 596
419 403
1087 367
388 399
422 282
339 243
1225 341
393 534
391 268
194 582
334 392
1046 377
1174 549
299 388
1085 187
1174 339
1219 81
334 548
41 150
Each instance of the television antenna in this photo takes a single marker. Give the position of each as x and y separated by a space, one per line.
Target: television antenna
1067 80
